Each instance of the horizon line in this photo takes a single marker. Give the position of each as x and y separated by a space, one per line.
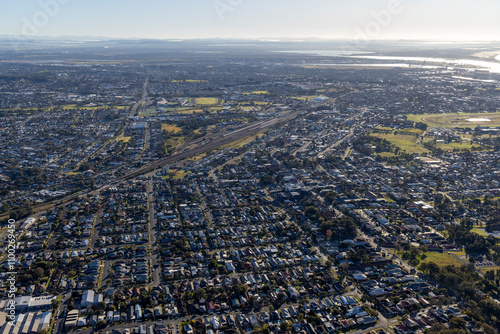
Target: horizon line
259 39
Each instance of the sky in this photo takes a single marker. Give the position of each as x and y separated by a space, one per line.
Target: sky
254 19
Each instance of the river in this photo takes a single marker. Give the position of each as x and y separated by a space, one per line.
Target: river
491 66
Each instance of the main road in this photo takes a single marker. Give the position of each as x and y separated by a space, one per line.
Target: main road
152 230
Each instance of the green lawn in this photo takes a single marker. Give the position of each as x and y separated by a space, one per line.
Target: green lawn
147 112
452 146
480 231
206 100
175 174
386 154
404 142
441 259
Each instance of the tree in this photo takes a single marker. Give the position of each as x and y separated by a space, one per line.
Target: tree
213 264
429 268
458 323
311 211
101 306
328 234
241 288
55 303
285 326
488 329
314 319
39 272
101 324
266 179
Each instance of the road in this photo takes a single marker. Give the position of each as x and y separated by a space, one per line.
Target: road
421 137
152 229
204 207
347 152
143 99
96 228
59 320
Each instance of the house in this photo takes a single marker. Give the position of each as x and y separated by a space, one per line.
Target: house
138 312
88 297
294 294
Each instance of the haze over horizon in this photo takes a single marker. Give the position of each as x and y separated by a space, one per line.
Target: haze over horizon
245 19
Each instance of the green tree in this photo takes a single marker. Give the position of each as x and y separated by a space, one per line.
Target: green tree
55 303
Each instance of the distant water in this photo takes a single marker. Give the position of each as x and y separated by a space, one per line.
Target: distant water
473 79
493 67
328 53
403 65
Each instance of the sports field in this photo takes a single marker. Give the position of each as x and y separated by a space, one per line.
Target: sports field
458 120
206 101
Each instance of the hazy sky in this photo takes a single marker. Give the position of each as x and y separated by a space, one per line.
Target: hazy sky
387 19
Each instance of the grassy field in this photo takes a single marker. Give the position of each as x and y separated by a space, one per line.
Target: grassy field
257 92
191 111
303 98
403 141
386 154
189 80
242 142
457 120
389 200
124 139
451 146
441 259
147 112
170 128
484 270
198 157
206 101
76 107
480 231
176 174
407 140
